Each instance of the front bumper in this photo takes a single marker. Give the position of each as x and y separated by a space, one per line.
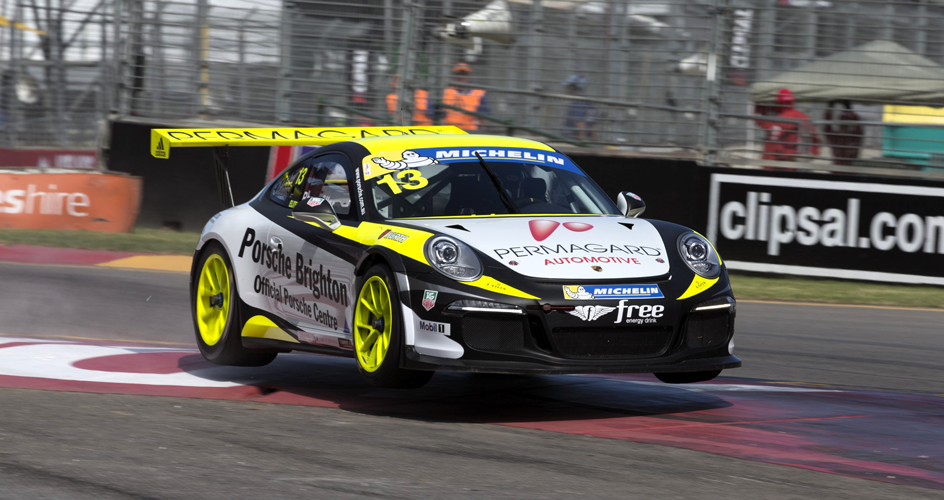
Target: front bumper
549 340
417 361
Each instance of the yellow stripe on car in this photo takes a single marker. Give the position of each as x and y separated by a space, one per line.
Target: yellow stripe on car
698 285
493 285
260 327
372 234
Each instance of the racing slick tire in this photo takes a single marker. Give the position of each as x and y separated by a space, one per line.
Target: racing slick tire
687 377
216 313
378 333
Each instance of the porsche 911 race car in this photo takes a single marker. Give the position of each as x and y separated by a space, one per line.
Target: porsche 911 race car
416 250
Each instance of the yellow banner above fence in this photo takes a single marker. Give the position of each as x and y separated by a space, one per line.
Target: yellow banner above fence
162 140
5 22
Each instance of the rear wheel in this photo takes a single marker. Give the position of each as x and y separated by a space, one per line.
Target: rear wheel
687 377
378 333
216 318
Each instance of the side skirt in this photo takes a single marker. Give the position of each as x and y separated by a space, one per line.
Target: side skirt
282 346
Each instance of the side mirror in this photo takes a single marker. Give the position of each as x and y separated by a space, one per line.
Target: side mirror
316 210
630 204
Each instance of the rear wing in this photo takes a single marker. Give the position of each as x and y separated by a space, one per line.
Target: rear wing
164 139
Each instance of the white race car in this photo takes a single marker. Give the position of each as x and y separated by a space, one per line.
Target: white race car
413 251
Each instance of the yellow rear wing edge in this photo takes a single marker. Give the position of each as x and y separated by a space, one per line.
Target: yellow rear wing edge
163 139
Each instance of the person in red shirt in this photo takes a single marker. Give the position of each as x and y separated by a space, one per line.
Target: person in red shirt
785 141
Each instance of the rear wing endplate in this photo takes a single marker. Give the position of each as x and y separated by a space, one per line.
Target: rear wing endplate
164 139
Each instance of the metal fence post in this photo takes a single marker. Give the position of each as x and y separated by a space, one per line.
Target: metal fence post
13 111
405 89
105 89
138 63
158 62
809 38
283 95
921 37
56 44
441 78
242 70
765 42
202 49
712 99
534 63
120 65
620 69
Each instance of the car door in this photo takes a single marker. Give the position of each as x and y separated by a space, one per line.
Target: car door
319 296
270 262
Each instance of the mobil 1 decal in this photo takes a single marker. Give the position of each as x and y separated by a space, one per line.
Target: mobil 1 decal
297 284
814 226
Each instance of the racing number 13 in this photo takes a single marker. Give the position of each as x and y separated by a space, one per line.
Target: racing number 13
414 180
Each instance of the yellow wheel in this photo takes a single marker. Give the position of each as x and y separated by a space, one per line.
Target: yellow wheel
373 323
213 299
378 334
216 314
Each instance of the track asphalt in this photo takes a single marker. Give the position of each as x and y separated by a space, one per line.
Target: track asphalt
836 402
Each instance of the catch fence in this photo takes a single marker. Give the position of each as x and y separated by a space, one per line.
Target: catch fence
659 77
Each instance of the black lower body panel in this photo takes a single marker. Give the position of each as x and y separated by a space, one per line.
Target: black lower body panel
420 362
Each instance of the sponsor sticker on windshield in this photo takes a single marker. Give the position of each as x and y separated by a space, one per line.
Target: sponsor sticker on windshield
599 292
388 162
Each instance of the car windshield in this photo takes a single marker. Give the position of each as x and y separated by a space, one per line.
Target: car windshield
438 182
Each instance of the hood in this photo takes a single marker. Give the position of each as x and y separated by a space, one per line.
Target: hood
561 247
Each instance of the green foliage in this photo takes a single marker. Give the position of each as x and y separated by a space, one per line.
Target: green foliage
141 240
844 292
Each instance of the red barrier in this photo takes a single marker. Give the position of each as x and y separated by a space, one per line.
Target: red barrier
74 201
49 158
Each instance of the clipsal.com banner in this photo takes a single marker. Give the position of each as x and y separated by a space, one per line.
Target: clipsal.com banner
86 202
829 227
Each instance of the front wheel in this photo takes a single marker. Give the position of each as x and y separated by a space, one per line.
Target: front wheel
216 318
378 333
687 377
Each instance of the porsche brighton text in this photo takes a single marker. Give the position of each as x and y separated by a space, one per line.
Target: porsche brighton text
317 280
264 286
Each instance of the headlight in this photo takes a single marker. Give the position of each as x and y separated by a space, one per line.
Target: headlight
453 258
484 306
699 255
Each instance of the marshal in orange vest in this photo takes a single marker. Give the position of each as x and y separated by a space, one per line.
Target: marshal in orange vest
420 106
468 102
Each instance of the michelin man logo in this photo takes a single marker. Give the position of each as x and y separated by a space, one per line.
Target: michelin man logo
580 294
411 159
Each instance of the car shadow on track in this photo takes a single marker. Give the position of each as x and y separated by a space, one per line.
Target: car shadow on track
327 381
